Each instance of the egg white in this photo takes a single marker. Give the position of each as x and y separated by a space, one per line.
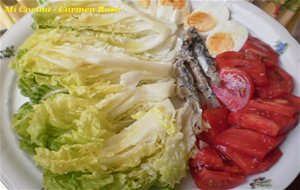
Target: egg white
220 14
179 15
238 32
166 13
171 14
151 9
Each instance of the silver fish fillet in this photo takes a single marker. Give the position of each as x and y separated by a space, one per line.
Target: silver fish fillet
185 87
206 62
186 90
208 97
187 56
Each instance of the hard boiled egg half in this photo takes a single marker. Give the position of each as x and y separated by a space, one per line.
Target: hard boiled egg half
230 36
172 11
147 6
207 17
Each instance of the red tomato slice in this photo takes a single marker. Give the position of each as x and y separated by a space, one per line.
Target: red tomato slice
294 101
254 122
217 119
248 62
265 117
232 168
272 106
216 180
248 142
284 123
236 88
248 164
207 158
280 84
268 56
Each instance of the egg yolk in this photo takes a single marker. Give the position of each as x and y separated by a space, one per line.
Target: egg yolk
220 42
177 4
203 22
145 3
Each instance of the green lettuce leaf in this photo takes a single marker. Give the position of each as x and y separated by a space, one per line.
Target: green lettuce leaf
59 51
129 30
64 118
75 145
127 20
20 123
36 92
66 61
149 151
100 114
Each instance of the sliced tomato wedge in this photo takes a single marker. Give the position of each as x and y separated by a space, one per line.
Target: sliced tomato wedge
207 158
294 101
248 142
250 165
248 62
236 88
217 119
265 117
232 168
254 122
216 180
272 106
280 84
267 54
285 123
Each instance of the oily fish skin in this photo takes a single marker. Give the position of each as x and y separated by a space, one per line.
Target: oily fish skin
100 115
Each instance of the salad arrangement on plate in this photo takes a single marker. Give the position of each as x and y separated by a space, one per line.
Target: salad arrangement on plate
130 100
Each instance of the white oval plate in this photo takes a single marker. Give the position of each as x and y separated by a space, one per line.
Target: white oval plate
18 171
